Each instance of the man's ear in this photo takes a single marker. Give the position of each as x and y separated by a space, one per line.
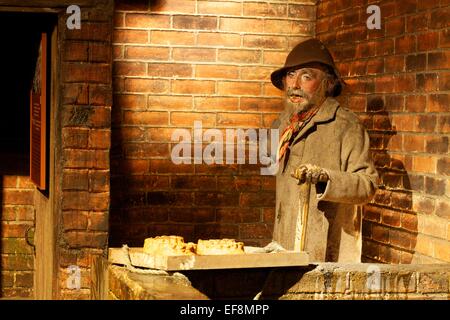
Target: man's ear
283 82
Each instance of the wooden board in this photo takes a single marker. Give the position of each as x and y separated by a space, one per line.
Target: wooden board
38 118
203 262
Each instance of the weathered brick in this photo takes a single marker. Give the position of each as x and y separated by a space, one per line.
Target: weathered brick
425 164
86 159
98 221
76 51
83 239
74 93
416 62
440 18
170 102
146 85
395 27
438 102
188 118
17 196
438 60
74 220
139 20
261 104
19 262
130 68
437 144
75 137
427 41
100 95
239 119
434 186
225 7
94 31
86 72
75 180
213 103
147 53
169 70
252 199
99 181
254 231
443 166
405 44
99 52
216 71
267 42
146 150
194 54
15 246
193 86
247 25
178 6
172 37
239 88
219 39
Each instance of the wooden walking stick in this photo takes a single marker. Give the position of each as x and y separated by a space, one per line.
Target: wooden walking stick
303 206
302 217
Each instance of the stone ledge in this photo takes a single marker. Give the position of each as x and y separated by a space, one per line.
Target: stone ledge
127 285
325 281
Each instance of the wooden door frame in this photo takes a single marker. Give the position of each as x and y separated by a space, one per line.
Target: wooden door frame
46 206
45 278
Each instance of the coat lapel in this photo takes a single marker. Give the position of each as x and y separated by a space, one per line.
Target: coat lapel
326 113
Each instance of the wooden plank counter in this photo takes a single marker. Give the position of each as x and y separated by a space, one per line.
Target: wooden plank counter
204 262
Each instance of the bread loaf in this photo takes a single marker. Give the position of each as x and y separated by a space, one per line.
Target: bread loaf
168 246
219 246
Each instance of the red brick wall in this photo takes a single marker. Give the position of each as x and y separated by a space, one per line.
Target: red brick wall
83 142
398 82
180 61
17 216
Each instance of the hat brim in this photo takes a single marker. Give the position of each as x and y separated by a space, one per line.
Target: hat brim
277 76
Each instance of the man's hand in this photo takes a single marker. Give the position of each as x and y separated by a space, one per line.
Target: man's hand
310 173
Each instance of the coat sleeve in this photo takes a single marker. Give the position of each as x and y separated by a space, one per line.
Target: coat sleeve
356 182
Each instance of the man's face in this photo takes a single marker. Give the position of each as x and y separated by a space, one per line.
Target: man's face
305 87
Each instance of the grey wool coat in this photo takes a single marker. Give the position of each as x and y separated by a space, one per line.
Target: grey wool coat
335 140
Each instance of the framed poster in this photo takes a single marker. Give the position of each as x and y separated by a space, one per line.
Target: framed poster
38 118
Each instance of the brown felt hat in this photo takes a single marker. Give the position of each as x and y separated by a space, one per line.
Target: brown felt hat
308 51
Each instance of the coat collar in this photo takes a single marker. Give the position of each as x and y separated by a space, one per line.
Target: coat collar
326 113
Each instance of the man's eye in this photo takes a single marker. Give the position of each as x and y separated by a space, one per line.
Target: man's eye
291 74
306 77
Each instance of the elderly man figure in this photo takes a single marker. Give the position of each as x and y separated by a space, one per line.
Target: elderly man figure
325 147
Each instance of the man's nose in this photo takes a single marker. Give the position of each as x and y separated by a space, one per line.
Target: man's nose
297 83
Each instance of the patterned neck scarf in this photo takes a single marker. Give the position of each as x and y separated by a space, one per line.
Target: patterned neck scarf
296 123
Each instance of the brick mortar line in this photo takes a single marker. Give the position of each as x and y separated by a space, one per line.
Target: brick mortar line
219 16
191 79
415 253
411 251
168 46
409 211
194 64
416 233
197 32
405 15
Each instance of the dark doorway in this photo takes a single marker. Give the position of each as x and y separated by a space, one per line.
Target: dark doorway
20 35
